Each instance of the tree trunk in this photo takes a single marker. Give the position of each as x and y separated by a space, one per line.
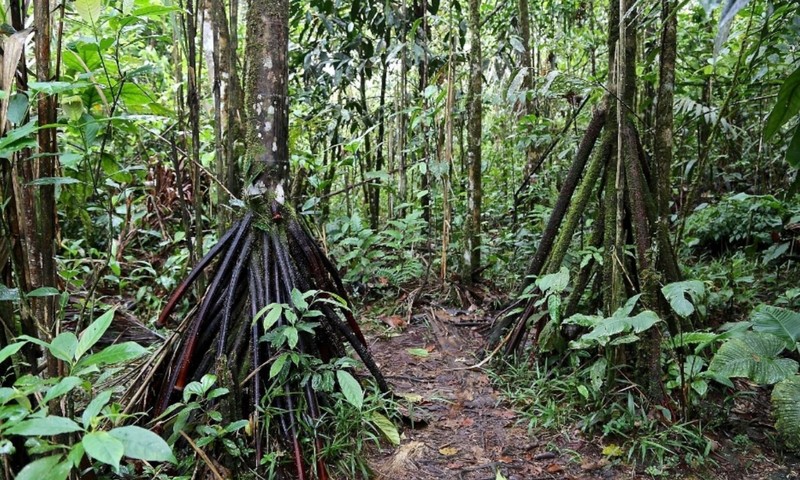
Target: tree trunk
267 102
472 233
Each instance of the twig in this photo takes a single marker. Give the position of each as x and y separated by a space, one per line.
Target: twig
490 356
203 456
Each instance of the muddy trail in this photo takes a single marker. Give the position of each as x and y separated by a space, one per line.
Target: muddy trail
467 432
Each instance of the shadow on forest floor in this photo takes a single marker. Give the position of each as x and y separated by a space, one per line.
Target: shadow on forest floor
469 433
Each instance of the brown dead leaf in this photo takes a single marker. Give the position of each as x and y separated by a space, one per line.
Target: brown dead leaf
404 459
591 466
467 422
448 451
394 321
554 468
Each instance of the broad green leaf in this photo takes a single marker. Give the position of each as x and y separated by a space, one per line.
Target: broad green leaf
75 455
48 468
676 293
781 322
272 316
95 407
64 386
93 332
63 346
9 141
49 425
55 88
554 282
277 365
291 335
53 181
583 391
217 392
104 448
43 292
298 300
755 356
643 321
787 105
89 10
9 350
17 107
418 352
143 444
597 373
584 320
350 388
793 150
73 107
117 353
386 427
786 407
154 10
207 381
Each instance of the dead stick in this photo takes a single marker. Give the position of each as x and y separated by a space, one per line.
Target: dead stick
203 456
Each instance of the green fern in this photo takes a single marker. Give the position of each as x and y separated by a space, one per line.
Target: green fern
753 355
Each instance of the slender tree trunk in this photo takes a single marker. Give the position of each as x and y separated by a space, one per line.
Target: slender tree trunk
227 91
43 253
420 10
527 81
193 107
402 105
472 234
268 103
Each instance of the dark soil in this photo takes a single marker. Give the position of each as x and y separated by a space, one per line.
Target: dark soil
465 430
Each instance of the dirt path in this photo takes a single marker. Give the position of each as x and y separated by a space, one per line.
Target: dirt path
470 434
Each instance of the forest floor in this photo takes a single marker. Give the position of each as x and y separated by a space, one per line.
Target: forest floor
467 431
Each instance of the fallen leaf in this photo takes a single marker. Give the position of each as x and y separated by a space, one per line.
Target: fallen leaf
448 451
394 321
404 457
555 468
418 352
412 397
590 466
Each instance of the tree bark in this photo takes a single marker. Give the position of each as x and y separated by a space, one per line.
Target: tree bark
267 103
472 239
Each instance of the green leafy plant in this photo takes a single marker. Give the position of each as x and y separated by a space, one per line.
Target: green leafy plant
617 329
99 433
755 350
736 220
352 408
